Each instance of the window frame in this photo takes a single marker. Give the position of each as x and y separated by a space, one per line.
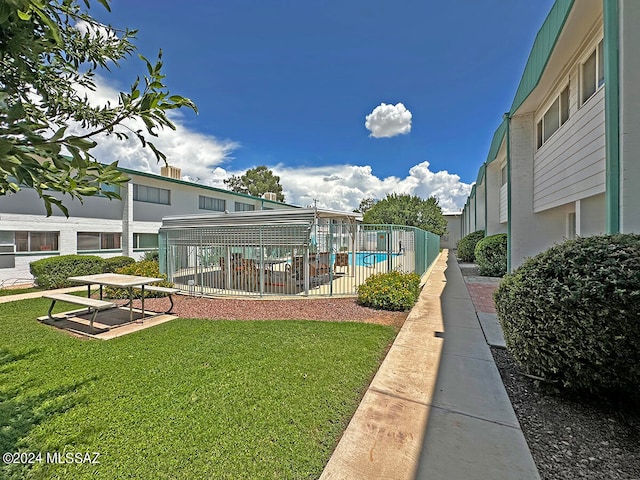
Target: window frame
102 237
137 194
136 241
54 247
236 204
563 99
596 51
204 199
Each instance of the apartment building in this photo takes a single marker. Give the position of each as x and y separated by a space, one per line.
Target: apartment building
104 227
565 161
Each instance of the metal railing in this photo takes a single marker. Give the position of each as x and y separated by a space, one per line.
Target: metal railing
322 259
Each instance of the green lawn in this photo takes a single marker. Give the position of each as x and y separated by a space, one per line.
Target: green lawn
186 399
15 291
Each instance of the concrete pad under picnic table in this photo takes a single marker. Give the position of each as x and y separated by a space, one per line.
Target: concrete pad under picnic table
108 324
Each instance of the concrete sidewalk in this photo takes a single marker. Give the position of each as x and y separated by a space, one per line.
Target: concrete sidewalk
437 408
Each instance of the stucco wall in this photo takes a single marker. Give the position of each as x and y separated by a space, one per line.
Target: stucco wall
630 115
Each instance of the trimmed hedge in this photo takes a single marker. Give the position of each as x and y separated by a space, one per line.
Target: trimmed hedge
491 255
571 314
467 246
144 268
114 263
52 272
394 291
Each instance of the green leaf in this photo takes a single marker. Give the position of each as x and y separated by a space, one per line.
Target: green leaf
26 16
81 143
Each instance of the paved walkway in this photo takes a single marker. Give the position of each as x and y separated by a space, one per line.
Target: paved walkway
25 296
437 408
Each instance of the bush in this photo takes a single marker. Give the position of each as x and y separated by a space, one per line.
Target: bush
52 272
114 263
390 291
572 314
143 268
151 256
491 255
467 246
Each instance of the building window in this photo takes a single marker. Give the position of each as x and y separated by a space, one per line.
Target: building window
145 240
104 187
36 241
142 193
7 238
244 207
556 116
592 73
503 174
98 241
210 203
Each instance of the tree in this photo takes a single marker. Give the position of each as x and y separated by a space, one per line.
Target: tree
256 181
365 204
408 210
50 51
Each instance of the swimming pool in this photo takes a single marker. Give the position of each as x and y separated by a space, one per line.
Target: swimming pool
368 259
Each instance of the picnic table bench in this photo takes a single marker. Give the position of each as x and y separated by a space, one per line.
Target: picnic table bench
93 305
167 290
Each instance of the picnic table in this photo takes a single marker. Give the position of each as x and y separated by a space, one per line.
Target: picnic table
117 280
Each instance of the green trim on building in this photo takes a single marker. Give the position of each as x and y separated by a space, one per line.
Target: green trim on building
612 114
481 173
496 141
486 206
541 52
507 120
197 185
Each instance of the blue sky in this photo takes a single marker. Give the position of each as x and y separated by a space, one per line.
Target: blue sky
289 84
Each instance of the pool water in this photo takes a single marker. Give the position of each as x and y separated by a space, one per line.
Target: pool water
369 259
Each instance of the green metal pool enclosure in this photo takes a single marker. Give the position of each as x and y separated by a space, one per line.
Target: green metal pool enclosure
304 251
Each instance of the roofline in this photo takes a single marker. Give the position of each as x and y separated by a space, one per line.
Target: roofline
541 52
198 185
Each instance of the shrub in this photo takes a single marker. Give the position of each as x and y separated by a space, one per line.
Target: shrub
52 272
143 268
467 246
114 263
390 291
572 314
491 255
151 256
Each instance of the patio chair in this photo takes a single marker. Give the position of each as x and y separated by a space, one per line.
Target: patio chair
342 260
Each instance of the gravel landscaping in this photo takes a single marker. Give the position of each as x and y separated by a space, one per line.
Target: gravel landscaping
321 309
571 437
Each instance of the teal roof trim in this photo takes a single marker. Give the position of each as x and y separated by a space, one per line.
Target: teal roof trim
197 185
541 52
496 141
480 177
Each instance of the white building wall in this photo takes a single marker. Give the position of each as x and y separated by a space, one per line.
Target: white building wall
504 203
571 164
450 239
24 211
472 214
629 116
531 233
591 220
493 178
480 205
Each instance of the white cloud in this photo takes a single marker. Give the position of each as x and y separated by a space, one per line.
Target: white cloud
388 120
337 187
341 187
96 30
197 154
